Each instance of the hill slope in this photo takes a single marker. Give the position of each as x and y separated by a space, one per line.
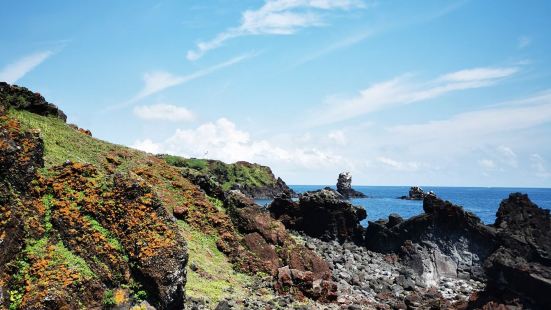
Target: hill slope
90 224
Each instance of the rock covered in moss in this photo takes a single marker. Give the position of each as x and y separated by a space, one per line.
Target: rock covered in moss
13 96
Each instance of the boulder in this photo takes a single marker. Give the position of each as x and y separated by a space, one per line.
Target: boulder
323 214
344 187
23 99
521 266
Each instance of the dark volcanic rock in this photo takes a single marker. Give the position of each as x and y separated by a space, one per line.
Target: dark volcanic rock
267 191
323 214
269 241
344 186
415 193
445 240
23 99
521 266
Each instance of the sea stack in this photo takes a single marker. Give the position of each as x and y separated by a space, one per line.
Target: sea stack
344 186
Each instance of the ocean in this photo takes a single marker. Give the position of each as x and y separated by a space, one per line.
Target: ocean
482 201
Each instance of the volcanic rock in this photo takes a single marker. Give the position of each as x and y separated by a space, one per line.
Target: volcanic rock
21 98
521 266
415 193
444 241
344 186
269 241
323 214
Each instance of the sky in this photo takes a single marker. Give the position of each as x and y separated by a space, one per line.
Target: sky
440 93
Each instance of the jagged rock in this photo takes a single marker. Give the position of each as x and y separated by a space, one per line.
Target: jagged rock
415 193
344 186
23 99
444 241
324 214
522 265
269 241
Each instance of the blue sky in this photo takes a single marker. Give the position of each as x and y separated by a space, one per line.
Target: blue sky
452 93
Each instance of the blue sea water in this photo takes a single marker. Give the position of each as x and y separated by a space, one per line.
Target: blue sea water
482 201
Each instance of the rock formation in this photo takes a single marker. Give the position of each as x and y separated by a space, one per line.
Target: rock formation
520 269
71 235
323 214
445 240
23 99
344 187
415 193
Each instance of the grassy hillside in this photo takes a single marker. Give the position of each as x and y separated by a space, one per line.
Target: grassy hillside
213 277
227 175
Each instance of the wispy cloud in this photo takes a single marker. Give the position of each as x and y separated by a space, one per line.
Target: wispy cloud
540 166
476 125
11 73
403 90
158 81
404 166
276 17
165 112
342 44
155 82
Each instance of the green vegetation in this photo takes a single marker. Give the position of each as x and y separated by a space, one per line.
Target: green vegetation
217 203
109 298
62 255
62 143
214 277
106 233
47 200
227 175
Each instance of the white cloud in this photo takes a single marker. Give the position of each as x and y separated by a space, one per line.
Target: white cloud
478 124
402 90
399 165
147 146
162 111
540 166
479 74
338 137
222 140
15 71
487 164
524 41
276 17
155 82
507 156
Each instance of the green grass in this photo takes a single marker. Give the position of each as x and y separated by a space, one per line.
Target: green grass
47 201
62 143
62 255
106 233
221 277
227 174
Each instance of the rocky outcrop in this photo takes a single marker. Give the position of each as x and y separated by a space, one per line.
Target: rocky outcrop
264 191
444 241
415 193
297 269
323 214
520 269
71 235
13 96
344 187
253 180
